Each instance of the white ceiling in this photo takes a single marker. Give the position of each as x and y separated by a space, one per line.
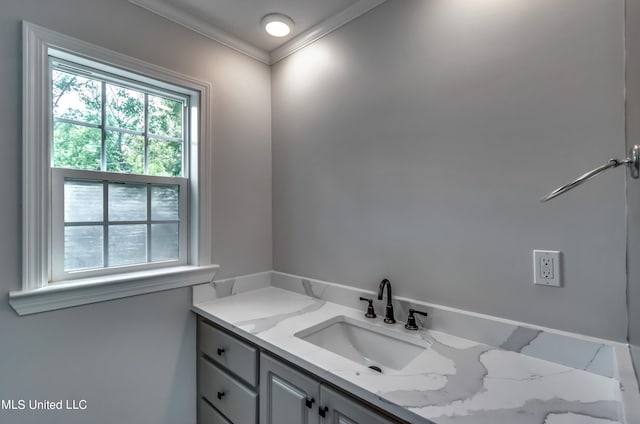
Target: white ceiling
236 23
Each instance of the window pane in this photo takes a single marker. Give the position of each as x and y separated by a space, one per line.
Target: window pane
125 153
127 202
76 146
165 117
75 97
83 247
165 158
125 108
164 203
83 201
127 244
164 242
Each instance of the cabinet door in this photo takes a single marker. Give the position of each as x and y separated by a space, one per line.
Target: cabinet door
342 410
286 396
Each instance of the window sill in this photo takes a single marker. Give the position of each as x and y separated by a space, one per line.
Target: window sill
99 289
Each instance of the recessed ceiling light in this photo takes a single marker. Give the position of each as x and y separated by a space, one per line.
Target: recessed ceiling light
277 25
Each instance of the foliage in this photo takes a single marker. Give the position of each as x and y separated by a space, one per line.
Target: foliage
77 104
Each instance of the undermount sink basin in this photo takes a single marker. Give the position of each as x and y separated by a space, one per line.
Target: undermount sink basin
369 345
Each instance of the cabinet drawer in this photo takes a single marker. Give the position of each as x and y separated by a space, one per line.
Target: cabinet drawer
238 357
229 396
209 415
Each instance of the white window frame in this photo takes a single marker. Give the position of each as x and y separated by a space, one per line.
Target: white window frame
38 294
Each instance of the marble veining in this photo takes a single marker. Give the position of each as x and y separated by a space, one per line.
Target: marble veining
520 338
231 286
260 325
224 288
308 289
536 411
464 383
454 380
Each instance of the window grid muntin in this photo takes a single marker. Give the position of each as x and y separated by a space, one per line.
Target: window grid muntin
103 124
105 78
105 213
75 122
106 223
146 135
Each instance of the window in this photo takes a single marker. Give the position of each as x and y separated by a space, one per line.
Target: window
115 175
119 180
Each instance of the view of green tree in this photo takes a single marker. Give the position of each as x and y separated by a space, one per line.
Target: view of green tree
165 117
76 146
76 97
125 108
165 158
77 137
125 153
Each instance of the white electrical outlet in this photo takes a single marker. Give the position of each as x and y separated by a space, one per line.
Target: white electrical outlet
546 267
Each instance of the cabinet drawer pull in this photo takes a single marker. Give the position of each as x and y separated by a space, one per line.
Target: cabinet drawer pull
220 395
322 410
309 402
220 351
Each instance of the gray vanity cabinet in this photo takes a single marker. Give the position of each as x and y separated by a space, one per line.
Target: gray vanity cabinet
232 372
227 378
291 397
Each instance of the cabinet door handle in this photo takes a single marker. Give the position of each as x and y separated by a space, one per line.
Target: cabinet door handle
220 351
309 402
220 395
322 410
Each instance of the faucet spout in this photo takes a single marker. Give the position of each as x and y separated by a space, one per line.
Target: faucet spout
385 283
388 318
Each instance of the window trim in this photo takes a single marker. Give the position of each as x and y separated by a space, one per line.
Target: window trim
37 295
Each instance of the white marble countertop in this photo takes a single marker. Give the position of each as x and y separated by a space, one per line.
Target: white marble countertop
453 381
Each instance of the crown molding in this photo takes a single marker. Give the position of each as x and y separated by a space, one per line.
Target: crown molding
210 31
301 40
325 27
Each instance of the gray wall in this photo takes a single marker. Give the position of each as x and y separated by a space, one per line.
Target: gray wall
133 360
415 142
633 188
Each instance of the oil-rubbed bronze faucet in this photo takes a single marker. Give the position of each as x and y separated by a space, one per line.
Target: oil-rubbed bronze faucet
411 320
388 316
371 313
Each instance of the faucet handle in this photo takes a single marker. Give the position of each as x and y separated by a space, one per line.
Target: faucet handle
371 313
411 320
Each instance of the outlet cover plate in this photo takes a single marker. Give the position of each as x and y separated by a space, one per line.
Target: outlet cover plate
546 268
